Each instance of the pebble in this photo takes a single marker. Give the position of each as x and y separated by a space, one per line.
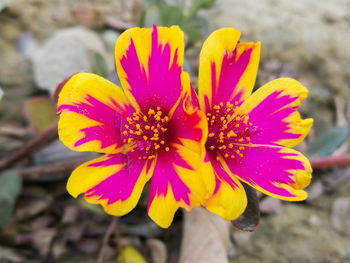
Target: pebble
65 53
340 215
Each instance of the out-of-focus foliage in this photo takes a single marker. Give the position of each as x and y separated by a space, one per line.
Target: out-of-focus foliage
10 187
129 254
98 64
183 14
4 4
40 112
327 142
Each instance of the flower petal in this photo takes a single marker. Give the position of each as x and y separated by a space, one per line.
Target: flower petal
276 171
176 182
90 110
227 68
111 182
149 65
272 110
188 125
229 199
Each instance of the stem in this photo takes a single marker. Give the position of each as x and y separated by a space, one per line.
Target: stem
330 161
43 138
106 238
39 171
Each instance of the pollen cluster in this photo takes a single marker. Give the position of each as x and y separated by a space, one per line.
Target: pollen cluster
229 130
146 133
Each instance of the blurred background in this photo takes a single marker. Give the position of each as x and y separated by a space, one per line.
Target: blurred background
44 41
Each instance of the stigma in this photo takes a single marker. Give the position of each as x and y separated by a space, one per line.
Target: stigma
146 132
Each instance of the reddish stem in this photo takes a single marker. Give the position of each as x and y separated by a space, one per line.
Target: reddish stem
40 140
39 171
330 161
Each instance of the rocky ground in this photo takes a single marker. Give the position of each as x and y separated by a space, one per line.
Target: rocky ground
42 41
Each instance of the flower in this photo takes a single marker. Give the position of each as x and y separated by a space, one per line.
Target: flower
249 135
148 129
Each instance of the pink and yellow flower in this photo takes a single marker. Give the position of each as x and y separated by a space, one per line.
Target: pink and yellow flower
249 135
148 129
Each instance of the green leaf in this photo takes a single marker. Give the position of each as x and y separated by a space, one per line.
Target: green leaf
159 3
40 112
326 143
171 15
6 210
193 36
98 64
196 5
10 184
10 187
152 17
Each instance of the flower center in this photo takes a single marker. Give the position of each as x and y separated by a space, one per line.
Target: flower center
229 130
146 132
